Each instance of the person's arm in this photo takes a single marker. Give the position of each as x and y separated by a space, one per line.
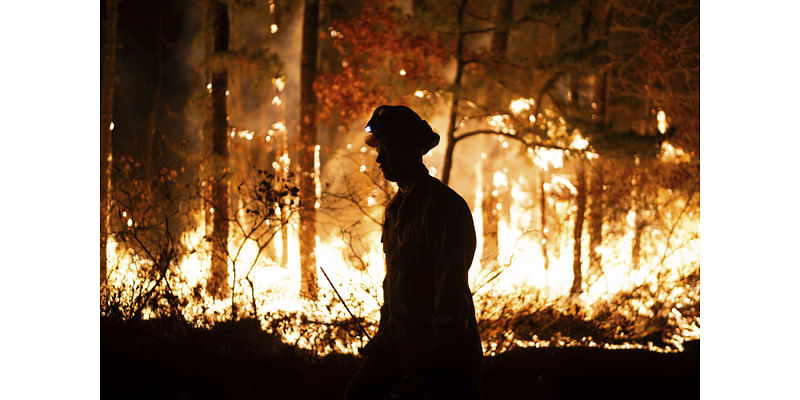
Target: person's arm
381 339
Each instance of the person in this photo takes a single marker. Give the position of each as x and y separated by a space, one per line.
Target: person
427 345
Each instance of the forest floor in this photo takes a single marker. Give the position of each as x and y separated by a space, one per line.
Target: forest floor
159 359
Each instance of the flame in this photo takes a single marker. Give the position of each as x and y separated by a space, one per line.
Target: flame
545 158
672 154
662 121
499 179
273 29
279 83
578 142
519 105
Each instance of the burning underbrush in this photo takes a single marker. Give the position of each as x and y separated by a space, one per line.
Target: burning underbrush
637 318
659 318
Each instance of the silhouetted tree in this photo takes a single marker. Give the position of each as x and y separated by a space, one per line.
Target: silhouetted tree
217 123
307 144
108 22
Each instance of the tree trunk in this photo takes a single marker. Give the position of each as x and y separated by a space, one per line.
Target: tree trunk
218 121
155 105
492 98
596 220
577 81
308 140
107 75
543 220
489 215
602 98
500 36
638 220
451 126
578 231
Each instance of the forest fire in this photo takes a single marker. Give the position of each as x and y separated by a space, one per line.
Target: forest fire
586 210
518 271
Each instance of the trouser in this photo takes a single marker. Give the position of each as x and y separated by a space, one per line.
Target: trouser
380 379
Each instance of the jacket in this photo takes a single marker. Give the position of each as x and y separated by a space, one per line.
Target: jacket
427 323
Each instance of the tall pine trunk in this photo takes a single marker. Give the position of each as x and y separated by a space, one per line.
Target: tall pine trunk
493 100
308 140
155 105
602 98
107 75
577 234
218 122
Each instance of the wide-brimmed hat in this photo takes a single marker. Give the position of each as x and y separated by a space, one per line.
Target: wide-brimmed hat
400 124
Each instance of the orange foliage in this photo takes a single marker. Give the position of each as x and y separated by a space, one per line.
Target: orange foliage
374 47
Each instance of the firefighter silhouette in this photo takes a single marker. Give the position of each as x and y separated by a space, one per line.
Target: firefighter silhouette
427 345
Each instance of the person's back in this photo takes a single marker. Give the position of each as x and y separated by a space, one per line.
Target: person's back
429 241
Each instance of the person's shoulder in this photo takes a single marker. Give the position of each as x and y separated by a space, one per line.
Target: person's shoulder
444 196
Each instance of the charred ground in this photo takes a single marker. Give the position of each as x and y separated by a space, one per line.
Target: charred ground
162 359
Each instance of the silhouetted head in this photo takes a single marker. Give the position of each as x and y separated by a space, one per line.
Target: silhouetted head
401 138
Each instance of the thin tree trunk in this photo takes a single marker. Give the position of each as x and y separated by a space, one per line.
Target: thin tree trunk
156 103
451 126
543 220
602 96
638 195
586 20
491 248
596 220
308 140
577 232
107 75
218 282
284 237
604 108
500 36
638 220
